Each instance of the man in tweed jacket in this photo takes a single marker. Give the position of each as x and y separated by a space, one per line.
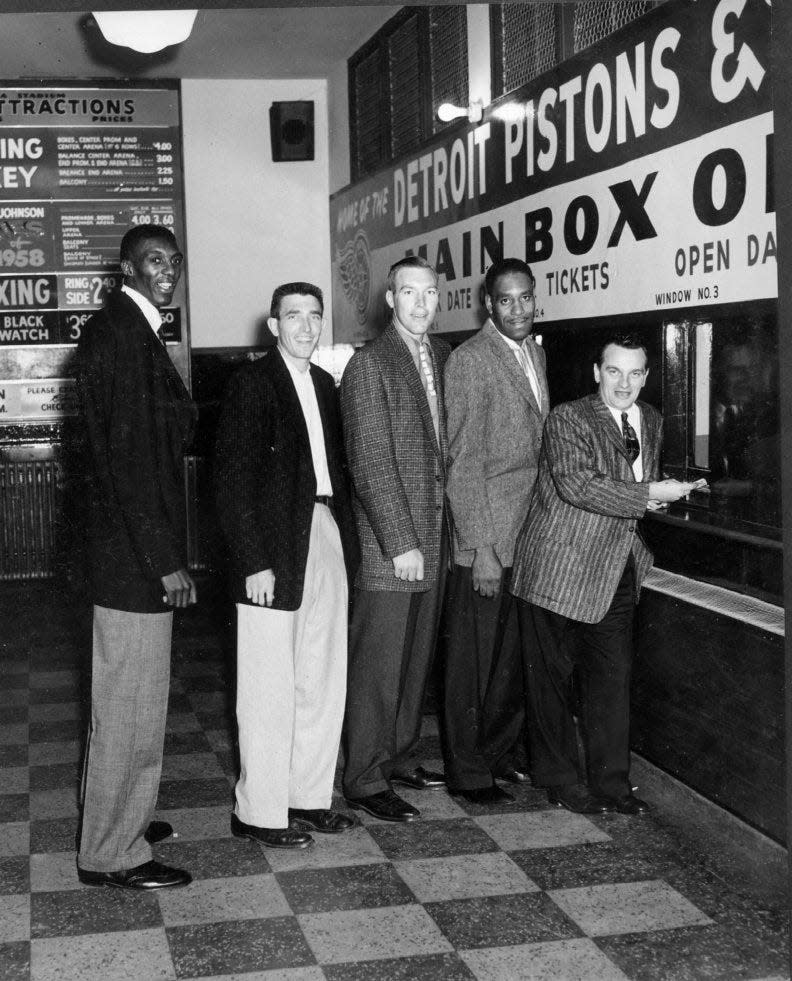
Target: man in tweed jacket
578 569
394 429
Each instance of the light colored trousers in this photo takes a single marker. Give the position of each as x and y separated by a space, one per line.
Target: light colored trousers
123 758
291 686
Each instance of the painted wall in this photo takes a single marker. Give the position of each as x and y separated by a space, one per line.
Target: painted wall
251 223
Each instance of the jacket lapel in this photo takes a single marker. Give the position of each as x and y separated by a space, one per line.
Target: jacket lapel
649 446
282 380
405 364
608 426
511 366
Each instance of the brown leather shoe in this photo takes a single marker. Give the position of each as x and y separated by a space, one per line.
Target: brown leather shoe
272 837
578 800
386 805
157 831
418 778
150 875
321 820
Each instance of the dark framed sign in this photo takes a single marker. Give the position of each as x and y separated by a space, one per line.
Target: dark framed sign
80 162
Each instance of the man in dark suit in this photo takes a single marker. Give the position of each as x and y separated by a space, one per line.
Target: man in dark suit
497 401
578 569
138 420
394 425
283 504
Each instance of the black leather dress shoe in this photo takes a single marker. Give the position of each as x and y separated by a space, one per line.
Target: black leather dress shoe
579 800
512 775
386 805
157 831
484 795
322 820
150 875
631 805
418 779
272 837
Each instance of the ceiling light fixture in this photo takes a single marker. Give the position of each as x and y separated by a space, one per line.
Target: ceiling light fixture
448 112
145 30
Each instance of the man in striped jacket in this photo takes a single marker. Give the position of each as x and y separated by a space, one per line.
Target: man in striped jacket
578 568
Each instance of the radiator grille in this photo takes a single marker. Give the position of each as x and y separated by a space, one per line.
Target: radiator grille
30 494
31 527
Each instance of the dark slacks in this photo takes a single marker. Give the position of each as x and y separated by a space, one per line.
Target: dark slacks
392 641
552 646
484 691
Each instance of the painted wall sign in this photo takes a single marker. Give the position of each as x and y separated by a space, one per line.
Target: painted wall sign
636 176
80 164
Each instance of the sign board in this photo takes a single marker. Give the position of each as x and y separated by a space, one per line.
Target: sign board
79 165
636 176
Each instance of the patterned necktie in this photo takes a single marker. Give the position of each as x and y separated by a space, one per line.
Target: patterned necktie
631 443
530 374
426 368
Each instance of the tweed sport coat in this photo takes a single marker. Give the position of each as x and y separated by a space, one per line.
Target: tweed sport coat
494 438
265 482
136 420
396 462
582 524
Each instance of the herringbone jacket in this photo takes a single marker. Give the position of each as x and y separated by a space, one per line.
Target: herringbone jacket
396 463
582 523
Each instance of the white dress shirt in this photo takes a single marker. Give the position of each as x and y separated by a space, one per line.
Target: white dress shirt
146 307
306 393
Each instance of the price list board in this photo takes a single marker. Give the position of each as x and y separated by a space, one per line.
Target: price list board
78 166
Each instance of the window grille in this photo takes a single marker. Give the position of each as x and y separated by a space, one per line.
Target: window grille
596 19
448 62
404 86
525 43
367 119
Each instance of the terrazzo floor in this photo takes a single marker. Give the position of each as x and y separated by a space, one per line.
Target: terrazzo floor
518 891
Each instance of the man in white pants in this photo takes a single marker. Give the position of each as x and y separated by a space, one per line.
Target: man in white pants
284 508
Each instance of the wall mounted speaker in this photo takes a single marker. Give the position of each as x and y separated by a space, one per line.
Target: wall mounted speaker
292 130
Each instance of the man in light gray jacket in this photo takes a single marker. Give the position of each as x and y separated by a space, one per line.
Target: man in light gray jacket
497 402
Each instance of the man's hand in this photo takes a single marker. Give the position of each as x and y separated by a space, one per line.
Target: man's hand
409 565
179 588
260 587
667 491
487 571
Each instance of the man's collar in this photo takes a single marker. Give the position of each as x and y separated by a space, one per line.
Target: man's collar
412 341
146 307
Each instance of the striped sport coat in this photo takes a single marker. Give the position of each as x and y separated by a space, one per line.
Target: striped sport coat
494 437
582 524
395 461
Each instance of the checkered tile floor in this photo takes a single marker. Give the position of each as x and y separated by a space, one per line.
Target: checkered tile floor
523 891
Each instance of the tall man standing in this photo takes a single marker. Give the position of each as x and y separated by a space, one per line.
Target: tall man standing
497 401
283 504
578 568
138 421
394 425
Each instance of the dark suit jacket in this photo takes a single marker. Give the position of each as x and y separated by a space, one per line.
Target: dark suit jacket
264 477
138 421
494 437
396 462
582 523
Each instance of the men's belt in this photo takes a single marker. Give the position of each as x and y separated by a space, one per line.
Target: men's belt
324 499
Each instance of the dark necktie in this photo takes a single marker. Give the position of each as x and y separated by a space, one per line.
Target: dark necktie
631 443
160 332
